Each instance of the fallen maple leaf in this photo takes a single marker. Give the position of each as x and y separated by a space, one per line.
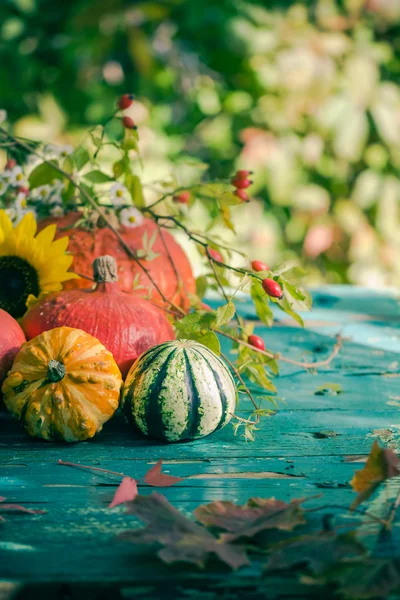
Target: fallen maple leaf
11 507
371 578
126 492
257 515
318 552
178 538
382 464
156 478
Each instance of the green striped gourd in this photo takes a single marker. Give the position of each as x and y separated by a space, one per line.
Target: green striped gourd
179 390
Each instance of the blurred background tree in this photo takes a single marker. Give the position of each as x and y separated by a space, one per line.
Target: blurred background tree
306 94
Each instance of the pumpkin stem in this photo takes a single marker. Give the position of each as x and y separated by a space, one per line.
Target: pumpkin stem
56 371
105 269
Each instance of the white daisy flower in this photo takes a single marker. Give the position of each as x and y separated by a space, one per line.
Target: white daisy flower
59 151
57 211
3 116
22 209
3 187
21 203
131 217
42 193
119 194
57 189
17 177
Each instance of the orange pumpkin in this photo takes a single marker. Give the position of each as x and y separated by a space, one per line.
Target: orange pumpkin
170 268
63 385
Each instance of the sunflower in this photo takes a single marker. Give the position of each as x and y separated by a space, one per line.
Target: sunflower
29 265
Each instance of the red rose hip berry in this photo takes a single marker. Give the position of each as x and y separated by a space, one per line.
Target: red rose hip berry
215 255
182 197
242 174
129 123
125 101
272 288
241 184
256 341
257 265
242 195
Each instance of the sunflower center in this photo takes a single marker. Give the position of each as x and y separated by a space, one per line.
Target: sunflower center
18 280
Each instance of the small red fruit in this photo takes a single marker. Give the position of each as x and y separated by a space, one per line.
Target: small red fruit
182 197
242 195
243 174
257 265
128 123
241 184
272 288
125 101
215 255
256 341
23 190
11 163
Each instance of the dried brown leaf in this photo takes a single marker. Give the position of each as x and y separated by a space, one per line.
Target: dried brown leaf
318 552
156 478
126 492
247 521
177 538
382 464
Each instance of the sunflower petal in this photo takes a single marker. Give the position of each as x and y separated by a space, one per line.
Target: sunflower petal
46 236
26 228
6 226
60 245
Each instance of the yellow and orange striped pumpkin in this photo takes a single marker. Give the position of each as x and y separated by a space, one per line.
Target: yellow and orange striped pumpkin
64 385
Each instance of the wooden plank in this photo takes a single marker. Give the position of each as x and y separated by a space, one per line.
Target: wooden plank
295 454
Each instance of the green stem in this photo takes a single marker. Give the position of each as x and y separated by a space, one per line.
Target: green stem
55 371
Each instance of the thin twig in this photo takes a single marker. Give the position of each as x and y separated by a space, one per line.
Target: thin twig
248 392
278 355
179 282
78 466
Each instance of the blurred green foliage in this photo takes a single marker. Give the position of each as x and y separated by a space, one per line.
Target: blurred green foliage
306 94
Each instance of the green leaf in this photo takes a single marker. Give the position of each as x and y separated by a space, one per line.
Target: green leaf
225 313
299 298
213 190
120 167
284 267
201 286
97 176
286 307
44 174
134 186
195 323
131 140
256 373
210 340
80 158
260 300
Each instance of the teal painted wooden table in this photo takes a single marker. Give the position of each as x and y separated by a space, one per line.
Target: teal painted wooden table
72 551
